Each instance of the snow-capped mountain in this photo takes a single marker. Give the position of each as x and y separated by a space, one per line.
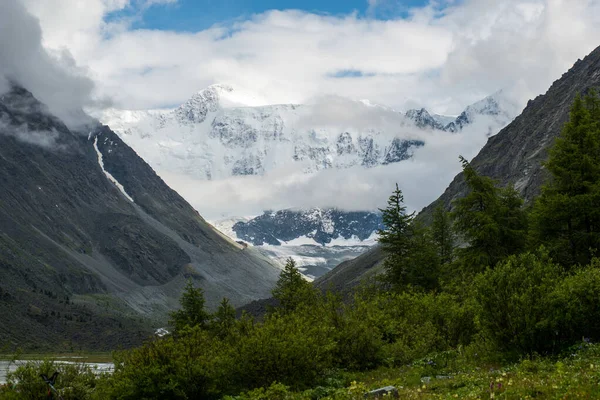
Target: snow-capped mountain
497 106
317 239
316 226
215 135
227 137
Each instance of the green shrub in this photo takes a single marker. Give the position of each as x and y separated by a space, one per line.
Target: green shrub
576 305
194 365
293 348
75 381
514 301
359 342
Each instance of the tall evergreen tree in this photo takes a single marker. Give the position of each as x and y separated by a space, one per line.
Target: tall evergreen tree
292 290
443 234
412 258
566 215
490 219
192 312
223 320
395 238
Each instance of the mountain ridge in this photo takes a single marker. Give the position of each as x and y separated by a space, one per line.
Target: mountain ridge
76 246
210 136
513 156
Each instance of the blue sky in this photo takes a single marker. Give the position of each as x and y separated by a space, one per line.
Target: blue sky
196 15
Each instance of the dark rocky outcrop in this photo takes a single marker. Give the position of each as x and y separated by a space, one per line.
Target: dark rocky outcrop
321 225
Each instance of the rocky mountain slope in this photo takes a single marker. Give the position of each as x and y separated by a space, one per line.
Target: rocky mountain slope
315 226
317 239
92 240
513 156
212 136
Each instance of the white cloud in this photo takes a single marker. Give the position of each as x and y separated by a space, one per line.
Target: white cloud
440 59
52 77
443 56
46 139
422 179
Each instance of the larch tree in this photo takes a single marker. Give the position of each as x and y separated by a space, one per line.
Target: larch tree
566 216
192 312
490 219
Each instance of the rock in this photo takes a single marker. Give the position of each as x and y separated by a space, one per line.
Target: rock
389 391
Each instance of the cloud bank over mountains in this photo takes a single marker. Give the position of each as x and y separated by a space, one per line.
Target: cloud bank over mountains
442 56
421 179
52 76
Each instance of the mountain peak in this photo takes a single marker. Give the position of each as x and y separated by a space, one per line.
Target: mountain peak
228 96
423 119
214 98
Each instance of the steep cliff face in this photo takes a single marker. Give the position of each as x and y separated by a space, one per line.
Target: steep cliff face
514 156
88 232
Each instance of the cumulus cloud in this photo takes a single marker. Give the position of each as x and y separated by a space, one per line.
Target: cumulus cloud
442 56
52 78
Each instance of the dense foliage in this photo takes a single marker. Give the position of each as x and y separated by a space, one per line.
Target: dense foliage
566 215
487 283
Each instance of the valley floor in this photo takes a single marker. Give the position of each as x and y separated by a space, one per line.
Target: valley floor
448 375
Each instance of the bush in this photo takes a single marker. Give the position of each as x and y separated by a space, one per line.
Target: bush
576 305
513 302
295 349
359 342
75 381
194 365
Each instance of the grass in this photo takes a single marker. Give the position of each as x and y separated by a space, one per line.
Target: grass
574 375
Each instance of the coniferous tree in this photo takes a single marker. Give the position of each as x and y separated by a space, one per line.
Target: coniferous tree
566 216
412 258
223 320
422 264
395 238
443 235
490 219
292 290
192 312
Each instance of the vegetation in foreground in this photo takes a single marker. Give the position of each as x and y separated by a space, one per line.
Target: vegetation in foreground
512 313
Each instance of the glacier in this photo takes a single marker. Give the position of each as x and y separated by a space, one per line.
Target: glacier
230 153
